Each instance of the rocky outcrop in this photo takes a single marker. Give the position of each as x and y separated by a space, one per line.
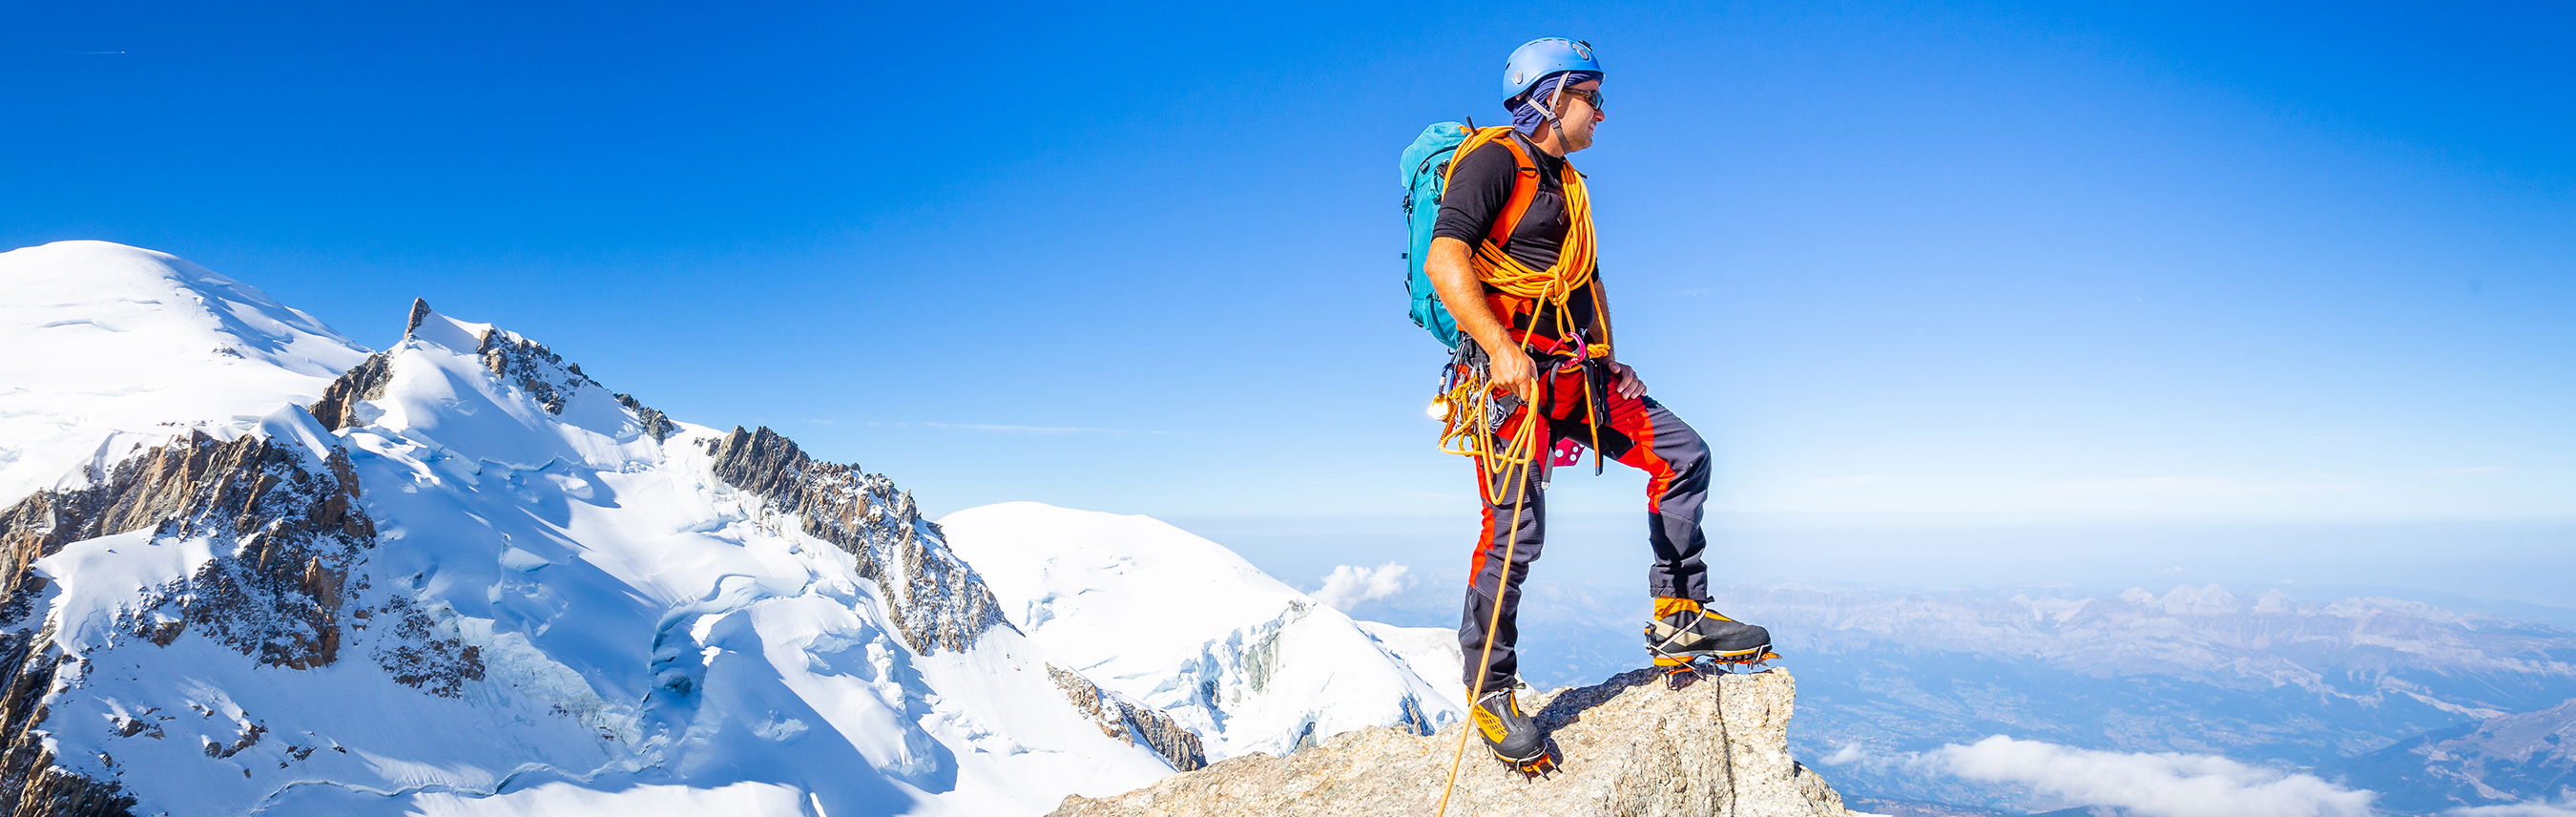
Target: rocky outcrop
337 408
31 783
536 370
1630 746
284 587
1128 721
656 424
545 377
420 311
936 600
276 595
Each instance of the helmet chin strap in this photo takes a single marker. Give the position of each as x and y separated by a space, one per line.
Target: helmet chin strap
1554 122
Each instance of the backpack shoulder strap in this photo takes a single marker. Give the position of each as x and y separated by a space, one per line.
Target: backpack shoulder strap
1524 183
1524 190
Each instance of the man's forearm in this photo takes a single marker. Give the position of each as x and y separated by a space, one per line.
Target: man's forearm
1456 284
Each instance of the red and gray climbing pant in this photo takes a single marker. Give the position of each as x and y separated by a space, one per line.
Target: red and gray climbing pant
1637 432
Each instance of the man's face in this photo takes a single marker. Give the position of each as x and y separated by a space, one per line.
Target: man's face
1580 109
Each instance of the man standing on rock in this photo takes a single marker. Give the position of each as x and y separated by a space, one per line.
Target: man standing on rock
1512 261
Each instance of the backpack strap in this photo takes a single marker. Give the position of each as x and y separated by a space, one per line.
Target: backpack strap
1524 190
1524 183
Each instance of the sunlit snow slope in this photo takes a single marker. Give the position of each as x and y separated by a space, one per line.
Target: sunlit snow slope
99 338
465 578
1187 626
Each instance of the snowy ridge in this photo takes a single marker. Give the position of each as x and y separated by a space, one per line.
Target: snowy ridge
1183 625
111 349
470 579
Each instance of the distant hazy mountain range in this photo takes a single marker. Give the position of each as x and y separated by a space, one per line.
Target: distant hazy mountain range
2429 707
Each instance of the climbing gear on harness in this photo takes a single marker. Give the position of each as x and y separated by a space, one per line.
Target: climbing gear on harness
1470 413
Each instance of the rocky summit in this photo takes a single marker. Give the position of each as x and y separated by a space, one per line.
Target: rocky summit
1632 745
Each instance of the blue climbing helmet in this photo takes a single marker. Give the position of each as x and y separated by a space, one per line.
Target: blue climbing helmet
1542 58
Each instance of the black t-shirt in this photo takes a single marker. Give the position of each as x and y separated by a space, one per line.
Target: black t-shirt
1477 192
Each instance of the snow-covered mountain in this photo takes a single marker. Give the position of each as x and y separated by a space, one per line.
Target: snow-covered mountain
1184 625
104 348
250 567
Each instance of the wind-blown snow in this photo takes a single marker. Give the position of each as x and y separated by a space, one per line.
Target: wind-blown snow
108 347
1182 624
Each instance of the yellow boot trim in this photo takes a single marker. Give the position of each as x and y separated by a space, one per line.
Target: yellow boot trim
1668 605
1490 724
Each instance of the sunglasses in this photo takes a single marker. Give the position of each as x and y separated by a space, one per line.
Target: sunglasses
1591 97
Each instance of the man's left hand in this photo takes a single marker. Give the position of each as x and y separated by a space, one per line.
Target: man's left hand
1626 384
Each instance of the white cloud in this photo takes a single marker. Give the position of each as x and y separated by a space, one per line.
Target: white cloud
2565 807
2165 784
2193 486
1350 586
1845 753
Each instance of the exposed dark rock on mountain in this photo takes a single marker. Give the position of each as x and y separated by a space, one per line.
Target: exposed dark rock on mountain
277 597
31 784
533 368
340 400
1630 746
420 311
1126 720
936 600
656 424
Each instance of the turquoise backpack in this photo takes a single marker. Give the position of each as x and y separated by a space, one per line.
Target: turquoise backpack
1424 170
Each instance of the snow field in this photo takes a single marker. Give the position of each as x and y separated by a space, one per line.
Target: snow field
1184 625
103 338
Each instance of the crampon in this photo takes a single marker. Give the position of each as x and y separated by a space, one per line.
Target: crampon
1533 767
1683 669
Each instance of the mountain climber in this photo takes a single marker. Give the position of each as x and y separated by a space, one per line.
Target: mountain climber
1511 259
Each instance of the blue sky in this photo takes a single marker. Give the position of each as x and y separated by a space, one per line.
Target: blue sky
2009 263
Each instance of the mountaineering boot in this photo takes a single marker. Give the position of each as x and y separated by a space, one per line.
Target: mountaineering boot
1683 632
1512 736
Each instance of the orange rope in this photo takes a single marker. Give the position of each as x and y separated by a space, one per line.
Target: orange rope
1524 442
